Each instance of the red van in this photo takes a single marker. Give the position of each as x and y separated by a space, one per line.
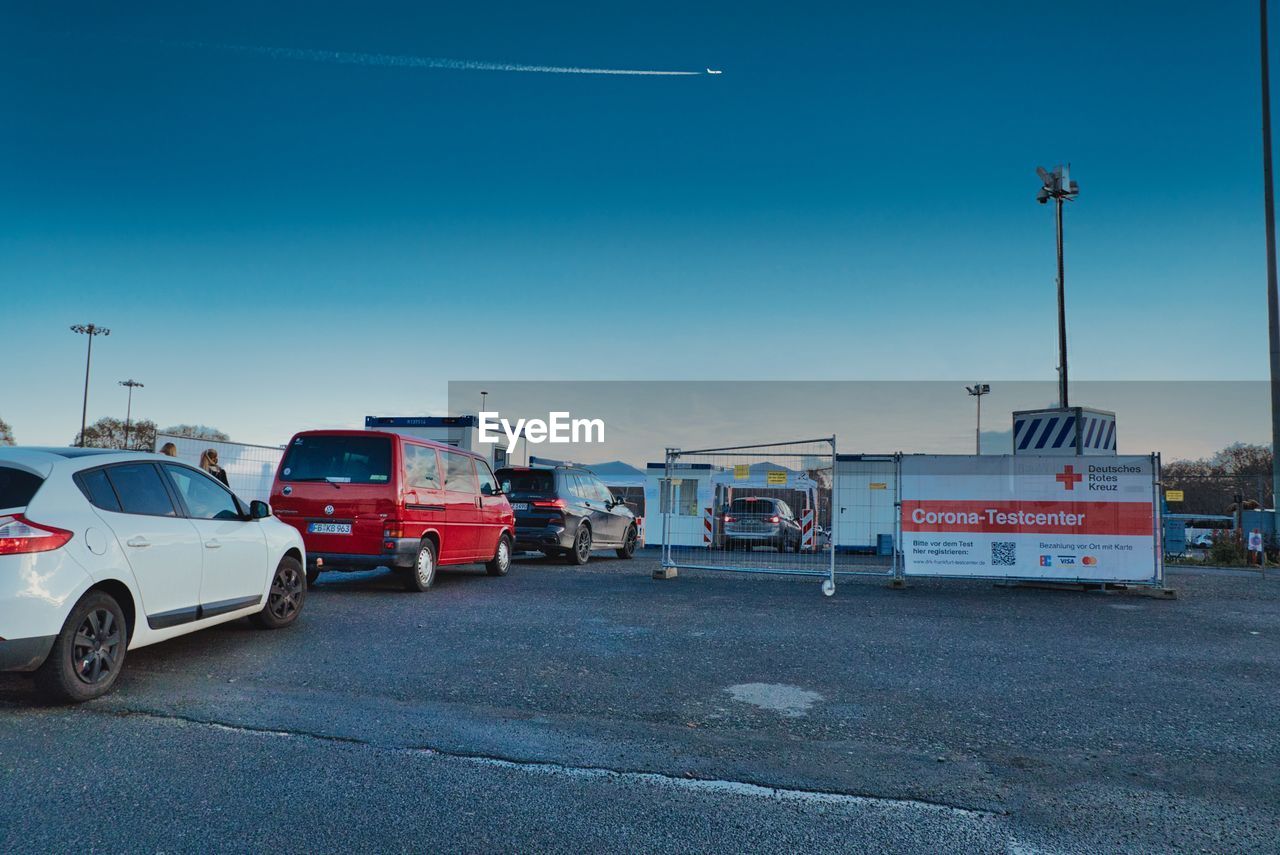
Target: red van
364 499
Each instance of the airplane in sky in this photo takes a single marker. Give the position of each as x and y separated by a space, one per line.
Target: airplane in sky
712 71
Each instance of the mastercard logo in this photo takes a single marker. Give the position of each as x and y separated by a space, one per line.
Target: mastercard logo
1089 561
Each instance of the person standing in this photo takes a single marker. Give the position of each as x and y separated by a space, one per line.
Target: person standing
209 463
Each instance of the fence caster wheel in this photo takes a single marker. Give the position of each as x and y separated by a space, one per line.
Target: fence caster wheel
828 588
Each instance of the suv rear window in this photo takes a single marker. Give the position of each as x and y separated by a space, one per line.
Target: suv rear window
527 480
344 459
17 487
752 506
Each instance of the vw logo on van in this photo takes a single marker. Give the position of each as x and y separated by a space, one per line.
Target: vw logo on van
328 509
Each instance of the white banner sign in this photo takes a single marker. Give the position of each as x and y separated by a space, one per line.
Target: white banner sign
1056 518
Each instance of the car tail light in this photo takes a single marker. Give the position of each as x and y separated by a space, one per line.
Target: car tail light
548 503
19 535
393 529
774 518
728 518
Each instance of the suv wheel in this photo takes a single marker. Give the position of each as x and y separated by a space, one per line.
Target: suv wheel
88 653
501 561
284 599
581 552
628 543
423 574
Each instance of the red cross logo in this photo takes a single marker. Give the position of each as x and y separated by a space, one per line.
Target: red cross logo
1069 477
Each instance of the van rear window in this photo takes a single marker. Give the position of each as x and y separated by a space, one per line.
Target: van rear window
340 459
17 487
527 480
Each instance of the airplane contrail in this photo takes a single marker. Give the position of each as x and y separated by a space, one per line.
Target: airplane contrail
383 60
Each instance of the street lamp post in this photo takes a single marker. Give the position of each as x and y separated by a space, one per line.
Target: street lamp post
483 395
128 412
1273 301
1059 187
977 390
89 330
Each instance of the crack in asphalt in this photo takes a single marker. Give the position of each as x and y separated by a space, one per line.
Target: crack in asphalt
705 785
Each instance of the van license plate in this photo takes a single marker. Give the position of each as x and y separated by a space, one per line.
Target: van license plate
329 528
520 506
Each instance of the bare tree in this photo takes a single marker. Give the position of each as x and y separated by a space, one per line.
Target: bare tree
197 432
6 434
109 433
1212 484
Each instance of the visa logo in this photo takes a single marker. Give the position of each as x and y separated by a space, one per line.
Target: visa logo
1067 559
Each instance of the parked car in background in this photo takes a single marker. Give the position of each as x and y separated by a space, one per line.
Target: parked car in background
103 552
758 521
567 511
364 499
1200 541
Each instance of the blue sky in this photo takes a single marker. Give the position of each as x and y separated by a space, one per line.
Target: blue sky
279 244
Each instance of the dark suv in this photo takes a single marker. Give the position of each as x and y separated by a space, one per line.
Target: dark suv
567 511
758 521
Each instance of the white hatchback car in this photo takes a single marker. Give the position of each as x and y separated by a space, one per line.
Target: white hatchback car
106 551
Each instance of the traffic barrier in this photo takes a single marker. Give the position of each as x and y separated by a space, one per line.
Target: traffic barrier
807 531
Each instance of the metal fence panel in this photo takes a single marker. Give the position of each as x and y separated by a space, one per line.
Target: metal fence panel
752 509
250 468
867 504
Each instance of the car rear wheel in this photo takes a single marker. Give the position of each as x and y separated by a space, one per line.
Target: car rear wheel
423 574
284 598
628 543
501 561
88 653
581 552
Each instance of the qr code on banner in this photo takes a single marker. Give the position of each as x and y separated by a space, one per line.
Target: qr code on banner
1004 553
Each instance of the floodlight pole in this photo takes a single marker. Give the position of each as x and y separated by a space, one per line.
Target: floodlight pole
1059 187
89 330
128 412
1062 317
977 390
1273 302
977 433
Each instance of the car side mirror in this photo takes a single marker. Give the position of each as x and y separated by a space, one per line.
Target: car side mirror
259 509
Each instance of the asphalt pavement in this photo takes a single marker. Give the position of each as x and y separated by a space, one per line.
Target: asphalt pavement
567 709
